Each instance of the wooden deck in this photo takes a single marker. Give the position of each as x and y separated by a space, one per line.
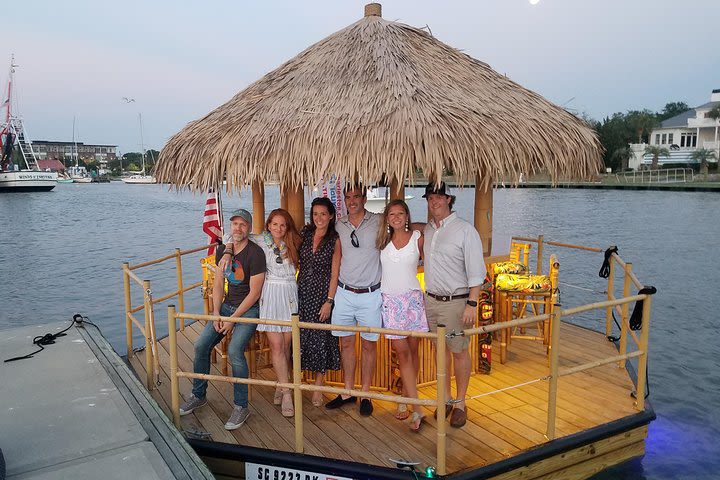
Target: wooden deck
500 426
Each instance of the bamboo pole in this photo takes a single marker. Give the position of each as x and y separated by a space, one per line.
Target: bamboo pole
284 199
642 362
258 199
625 308
128 306
397 190
610 296
297 380
174 383
442 380
180 292
134 277
296 204
599 363
148 339
483 215
541 241
553 383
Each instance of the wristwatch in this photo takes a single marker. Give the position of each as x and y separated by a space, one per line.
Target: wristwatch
330 300
472 303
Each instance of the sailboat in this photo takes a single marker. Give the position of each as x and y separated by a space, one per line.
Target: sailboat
140 178
25 175
77 173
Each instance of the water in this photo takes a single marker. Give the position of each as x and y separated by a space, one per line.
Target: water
61 253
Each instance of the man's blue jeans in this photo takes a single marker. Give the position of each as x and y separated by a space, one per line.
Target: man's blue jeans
241 335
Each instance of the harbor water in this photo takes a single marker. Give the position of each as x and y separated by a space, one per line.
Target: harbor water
61 253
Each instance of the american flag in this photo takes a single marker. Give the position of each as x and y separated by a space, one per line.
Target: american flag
212 220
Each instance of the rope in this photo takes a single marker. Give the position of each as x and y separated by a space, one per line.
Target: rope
530 382
49 338
636 317
605 268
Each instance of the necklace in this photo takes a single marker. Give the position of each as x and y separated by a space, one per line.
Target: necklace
279 250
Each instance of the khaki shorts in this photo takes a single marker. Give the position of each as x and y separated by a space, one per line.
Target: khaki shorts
450 314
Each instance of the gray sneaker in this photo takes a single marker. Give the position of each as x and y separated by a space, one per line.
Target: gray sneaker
192 403
237 417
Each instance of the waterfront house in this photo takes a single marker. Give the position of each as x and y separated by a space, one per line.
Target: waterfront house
682 135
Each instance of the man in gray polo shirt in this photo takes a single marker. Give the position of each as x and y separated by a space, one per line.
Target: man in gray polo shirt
358 300
454 272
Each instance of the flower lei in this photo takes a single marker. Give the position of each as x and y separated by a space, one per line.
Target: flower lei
270 242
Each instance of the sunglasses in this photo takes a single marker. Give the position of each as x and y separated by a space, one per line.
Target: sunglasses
279 258
354 240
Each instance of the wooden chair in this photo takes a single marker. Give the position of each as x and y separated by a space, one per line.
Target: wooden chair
535 300
520 253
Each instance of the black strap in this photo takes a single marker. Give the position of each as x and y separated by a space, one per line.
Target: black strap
605 269
636 317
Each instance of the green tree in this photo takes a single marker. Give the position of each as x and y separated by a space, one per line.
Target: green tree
715 115
702 155
621 157
642 122
672 109
656 151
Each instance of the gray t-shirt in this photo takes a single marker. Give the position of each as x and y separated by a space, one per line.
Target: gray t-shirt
359 266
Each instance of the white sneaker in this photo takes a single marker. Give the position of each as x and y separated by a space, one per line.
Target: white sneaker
192 403
237 417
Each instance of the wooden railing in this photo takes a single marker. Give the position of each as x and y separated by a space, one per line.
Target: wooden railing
611 304
147 328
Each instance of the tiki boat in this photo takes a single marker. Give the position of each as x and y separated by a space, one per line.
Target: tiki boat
381 101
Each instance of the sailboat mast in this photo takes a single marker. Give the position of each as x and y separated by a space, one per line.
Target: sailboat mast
8 102
75 154
142 144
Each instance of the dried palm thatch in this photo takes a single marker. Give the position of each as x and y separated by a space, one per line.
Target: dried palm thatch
379 97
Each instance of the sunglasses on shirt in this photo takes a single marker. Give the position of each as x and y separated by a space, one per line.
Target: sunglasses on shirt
279 258
354 240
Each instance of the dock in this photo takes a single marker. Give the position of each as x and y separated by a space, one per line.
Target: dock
74 410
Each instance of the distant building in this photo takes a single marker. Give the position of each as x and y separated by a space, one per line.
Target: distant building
682 135
66 152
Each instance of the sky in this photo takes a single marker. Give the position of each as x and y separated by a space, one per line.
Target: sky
179 60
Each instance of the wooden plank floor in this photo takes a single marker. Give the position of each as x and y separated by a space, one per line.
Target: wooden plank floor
499 425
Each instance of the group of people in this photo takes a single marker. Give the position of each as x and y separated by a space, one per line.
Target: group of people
358 271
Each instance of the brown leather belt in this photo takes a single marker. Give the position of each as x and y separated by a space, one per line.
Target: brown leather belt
358 290
447 298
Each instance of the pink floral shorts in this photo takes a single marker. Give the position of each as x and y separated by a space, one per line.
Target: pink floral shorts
404 312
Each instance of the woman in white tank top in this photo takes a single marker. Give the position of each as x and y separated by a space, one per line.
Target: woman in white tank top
403 306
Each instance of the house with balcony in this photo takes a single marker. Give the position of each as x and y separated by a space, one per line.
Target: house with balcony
682 135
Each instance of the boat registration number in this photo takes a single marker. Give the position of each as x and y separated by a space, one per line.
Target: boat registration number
256 471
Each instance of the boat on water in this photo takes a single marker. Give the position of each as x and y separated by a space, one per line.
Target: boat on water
19 171
547 398
140 178
377 198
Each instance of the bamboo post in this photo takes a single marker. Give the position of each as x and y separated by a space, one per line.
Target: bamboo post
297 380
148 341
174 384
296 204
128 307
483 215
642 361
610 295
625 316
553 383
540 254
397 190
442 380
284 200
181 294
258 199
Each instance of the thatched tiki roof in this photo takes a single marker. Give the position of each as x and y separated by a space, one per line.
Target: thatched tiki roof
379 97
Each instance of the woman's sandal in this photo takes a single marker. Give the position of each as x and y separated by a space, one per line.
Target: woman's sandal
277 399
416 422
287 409
317 399
402 412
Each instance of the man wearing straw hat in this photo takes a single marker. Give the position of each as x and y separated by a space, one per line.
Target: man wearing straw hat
454 271
358 300
245 274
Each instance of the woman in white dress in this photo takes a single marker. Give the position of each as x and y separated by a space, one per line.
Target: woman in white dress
279 299
403 305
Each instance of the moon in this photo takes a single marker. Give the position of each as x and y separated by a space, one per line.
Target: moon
534 2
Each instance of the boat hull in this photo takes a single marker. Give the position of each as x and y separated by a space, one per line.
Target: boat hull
27 181
140 180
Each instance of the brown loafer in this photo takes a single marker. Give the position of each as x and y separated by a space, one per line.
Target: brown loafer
458 418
